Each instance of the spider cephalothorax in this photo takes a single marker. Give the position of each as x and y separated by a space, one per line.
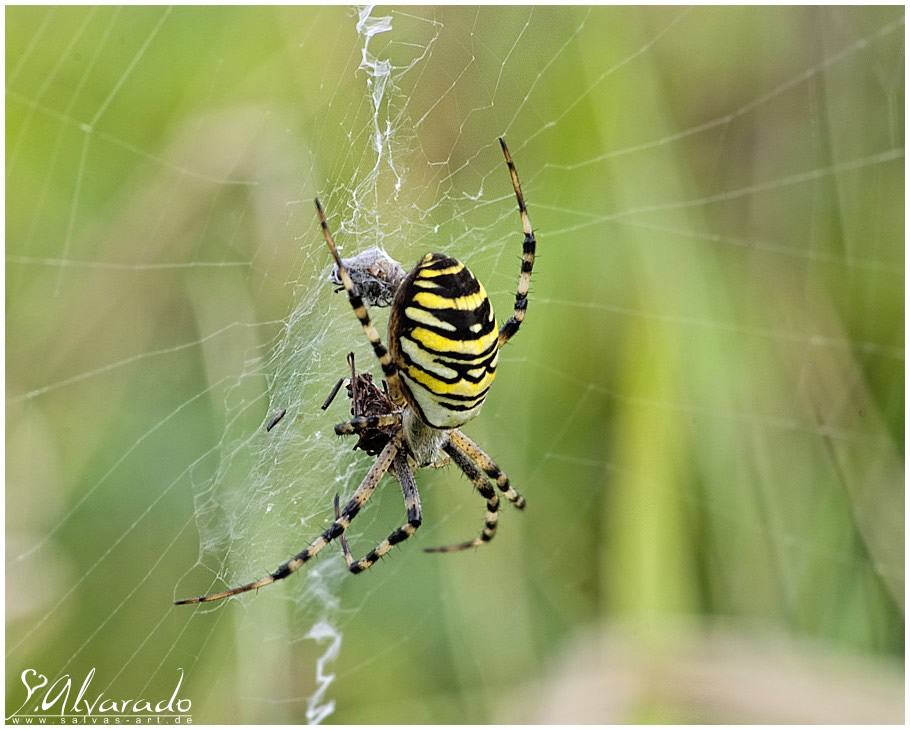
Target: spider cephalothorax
444 346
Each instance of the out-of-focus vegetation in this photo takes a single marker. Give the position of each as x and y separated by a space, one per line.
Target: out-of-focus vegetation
705 407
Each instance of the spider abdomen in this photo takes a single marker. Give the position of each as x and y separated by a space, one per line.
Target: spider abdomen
444 341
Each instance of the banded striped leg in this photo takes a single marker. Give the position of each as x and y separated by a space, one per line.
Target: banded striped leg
511 326
337 528
343 539
360 309
361 423
411 503
464 462
479 457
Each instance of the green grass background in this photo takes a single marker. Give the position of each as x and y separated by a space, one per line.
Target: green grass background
705 408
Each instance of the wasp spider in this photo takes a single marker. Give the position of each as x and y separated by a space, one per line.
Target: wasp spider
444 346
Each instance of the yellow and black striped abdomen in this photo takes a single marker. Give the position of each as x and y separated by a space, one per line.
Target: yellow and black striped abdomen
444 341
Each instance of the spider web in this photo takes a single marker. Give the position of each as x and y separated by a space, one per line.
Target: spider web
720 281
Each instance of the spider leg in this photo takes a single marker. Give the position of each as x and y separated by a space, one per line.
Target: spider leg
361 423
343 540
336 529
511 326
479 457
464 462
411 503
360 309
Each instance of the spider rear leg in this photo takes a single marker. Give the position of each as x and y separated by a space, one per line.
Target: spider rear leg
411 503
472 472
479 457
